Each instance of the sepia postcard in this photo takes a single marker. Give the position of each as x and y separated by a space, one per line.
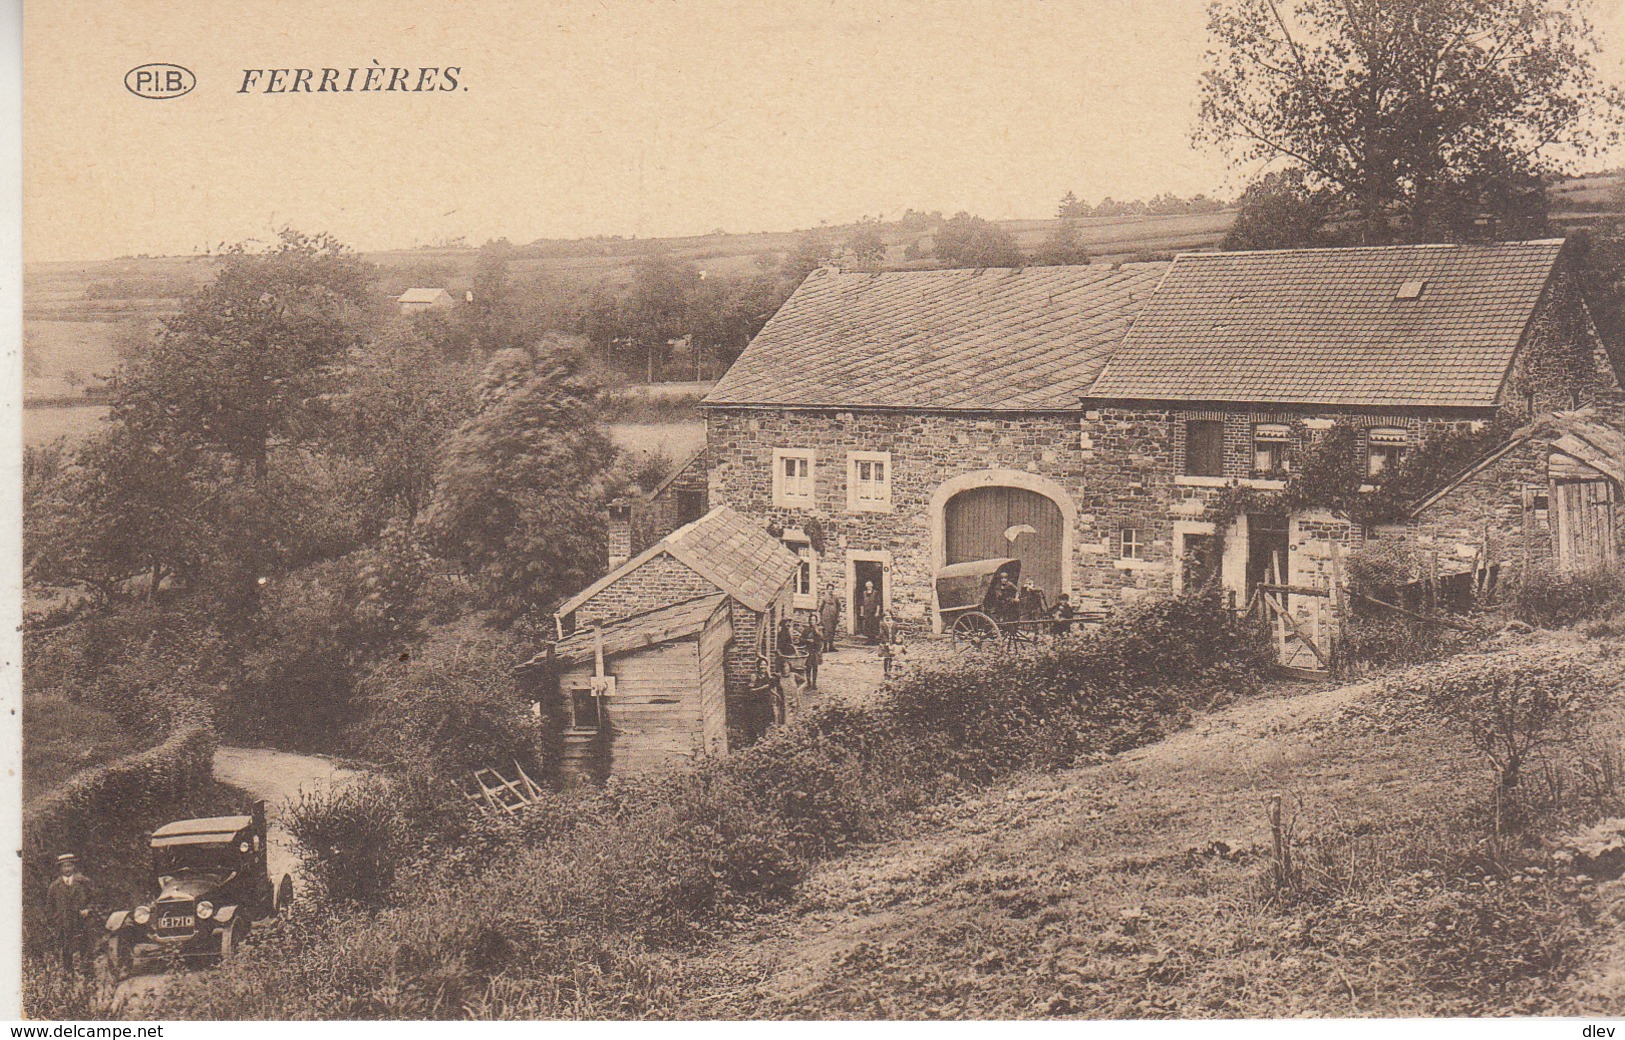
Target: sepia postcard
885 510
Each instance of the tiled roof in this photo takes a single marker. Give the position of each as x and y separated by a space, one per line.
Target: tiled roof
650 628
727 549
993 339
1326 326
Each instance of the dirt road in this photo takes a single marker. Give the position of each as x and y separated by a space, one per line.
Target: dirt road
278 777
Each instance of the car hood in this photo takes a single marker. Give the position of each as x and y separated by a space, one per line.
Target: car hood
192 887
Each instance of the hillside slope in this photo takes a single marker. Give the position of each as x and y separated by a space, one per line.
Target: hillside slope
1139 888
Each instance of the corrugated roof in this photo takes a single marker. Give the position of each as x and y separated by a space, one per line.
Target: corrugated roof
1328 326
650 628
1028 339
729 550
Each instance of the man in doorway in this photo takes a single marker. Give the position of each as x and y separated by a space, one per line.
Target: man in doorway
68 904
870 607
829 617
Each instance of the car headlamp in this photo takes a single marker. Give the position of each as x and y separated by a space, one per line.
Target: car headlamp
142 914
205 910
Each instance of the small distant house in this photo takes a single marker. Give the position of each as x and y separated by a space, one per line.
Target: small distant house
644 693
416 301
721 553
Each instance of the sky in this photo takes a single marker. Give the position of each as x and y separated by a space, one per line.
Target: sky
605 117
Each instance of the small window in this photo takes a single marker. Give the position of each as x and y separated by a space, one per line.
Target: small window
1272 451
1384 448
804 585
1204 448
690 506
792 478
1133 543
868 482
581 709
1410 290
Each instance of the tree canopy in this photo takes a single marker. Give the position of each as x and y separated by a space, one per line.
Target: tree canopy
1414 120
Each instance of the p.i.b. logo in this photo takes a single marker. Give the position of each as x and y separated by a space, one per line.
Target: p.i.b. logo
159 81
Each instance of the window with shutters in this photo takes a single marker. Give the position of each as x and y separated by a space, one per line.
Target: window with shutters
792 478
868 482
1204 447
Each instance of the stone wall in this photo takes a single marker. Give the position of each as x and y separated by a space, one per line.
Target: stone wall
926 449
659 582
1564 363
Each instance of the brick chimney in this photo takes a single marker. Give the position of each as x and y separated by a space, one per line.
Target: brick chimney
620 532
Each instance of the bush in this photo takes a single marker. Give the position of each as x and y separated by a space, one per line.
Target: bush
1386 641
93 810
351 838
1554 599
448 709
1511 706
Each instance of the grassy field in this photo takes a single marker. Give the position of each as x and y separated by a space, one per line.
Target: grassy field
61 737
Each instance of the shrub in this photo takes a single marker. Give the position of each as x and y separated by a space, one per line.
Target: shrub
1555 599
1385 641
351 839
1510 705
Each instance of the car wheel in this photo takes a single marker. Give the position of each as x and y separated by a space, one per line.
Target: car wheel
120 957
284 894
232 937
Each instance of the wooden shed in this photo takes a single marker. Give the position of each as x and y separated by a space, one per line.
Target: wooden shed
645 693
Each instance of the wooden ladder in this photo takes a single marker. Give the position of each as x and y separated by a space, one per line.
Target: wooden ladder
491 791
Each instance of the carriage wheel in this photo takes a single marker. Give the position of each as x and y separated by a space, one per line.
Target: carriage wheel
974 628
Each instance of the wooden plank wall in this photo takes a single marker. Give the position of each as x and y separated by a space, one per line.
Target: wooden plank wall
714 683
655 716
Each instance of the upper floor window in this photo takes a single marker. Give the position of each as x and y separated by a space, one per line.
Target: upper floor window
868 482
1272 450
1385 446
1204 448
792 478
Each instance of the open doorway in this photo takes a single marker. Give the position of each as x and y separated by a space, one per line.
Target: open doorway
1267 546
862 573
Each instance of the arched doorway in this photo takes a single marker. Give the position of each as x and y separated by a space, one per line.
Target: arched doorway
977 530
1007 521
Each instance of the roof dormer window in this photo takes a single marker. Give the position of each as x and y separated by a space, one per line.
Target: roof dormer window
1411 290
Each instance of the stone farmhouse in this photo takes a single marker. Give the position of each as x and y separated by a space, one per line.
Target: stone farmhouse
1085 419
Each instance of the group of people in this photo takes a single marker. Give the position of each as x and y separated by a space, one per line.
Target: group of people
816 636
1008 603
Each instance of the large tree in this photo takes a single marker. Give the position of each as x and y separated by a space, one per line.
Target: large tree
968 241
247 360
521 483
1416 120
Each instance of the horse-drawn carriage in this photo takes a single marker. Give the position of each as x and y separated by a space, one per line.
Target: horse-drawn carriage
975 611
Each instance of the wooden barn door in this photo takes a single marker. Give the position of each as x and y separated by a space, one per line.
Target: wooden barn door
977 523
1584 513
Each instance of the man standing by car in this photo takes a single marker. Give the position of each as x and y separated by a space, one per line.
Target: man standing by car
68 904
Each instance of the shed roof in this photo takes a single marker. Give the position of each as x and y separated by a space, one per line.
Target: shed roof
727 549
650 628
1006 339
1410 325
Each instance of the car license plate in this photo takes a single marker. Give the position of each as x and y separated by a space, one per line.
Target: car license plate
178 921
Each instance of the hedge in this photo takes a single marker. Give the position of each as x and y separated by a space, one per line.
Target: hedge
89 813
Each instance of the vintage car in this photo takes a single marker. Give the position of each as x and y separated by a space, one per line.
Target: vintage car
213 883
